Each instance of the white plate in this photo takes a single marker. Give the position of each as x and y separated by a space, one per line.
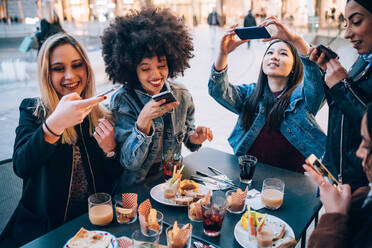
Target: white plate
113 243
157 193
242 236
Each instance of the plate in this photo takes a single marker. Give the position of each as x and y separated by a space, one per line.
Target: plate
157 193
242 237
113 243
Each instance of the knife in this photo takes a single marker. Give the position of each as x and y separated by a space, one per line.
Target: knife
219 173
216 179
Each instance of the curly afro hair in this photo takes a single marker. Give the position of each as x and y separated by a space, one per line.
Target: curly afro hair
145 34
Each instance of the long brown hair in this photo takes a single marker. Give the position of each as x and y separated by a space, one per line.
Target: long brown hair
49 97
274 110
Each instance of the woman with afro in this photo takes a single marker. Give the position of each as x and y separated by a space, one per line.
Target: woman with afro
143 51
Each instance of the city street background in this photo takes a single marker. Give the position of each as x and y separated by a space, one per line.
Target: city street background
18 78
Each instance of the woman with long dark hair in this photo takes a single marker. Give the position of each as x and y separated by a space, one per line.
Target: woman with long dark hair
276 115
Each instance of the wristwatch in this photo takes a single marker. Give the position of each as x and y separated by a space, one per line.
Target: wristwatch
110 154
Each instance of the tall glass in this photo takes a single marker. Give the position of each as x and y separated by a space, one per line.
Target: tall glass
247 165
272 193
142 241
100 209
213 215
170 160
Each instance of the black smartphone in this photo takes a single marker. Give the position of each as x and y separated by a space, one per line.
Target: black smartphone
165 95
320 169
250 33
329 54
114 87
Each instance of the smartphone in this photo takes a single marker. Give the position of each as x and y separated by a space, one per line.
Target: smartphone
167 95
329 54
250 33
114 87
320 169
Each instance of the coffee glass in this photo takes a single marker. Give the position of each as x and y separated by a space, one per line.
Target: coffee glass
272 193
247 165
100 209
170 160
213 215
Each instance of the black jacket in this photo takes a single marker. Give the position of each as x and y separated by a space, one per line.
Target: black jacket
347 103
249 20
46 172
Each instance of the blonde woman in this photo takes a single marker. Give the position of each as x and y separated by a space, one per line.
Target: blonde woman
64 144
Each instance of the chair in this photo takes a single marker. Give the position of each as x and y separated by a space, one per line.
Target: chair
10 191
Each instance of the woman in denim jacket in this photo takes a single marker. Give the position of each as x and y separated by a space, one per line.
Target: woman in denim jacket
276 115
142 50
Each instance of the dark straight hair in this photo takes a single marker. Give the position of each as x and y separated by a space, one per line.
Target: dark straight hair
274 108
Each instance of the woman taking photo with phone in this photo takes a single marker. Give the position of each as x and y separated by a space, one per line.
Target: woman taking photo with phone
144 50
276 120
348 94
347 221
61 146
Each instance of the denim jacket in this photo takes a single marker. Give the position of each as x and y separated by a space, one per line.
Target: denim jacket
138 151
298 125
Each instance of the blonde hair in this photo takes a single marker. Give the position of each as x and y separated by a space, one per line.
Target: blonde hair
49 97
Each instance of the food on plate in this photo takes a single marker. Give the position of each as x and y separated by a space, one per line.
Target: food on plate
152 221
172 185
179 237
286 242
124 215
88 239
183 200
188 187
252 220
195 208
236 200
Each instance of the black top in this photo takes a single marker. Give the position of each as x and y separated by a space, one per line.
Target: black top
347 103
46 172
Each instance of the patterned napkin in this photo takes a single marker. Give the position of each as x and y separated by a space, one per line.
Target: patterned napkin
129 200
255 202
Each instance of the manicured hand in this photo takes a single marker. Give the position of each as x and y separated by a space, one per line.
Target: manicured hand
334 73
104 134
200 135
282 32
229 42
70 111
335 200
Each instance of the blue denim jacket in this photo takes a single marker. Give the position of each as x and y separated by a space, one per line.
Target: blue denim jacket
298 126
139 151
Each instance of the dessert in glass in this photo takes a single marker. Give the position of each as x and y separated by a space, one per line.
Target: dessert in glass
179 235
195 207
100 209
236 200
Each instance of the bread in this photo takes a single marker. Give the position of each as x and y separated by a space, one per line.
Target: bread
153 221
87 239
188 185
183 200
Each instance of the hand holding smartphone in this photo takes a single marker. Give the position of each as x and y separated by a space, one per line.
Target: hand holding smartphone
167 95
256 32
329 54
320 169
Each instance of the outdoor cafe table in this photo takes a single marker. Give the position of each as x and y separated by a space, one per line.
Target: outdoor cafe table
300 206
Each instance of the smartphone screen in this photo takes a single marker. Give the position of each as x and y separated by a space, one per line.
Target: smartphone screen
315 163
250 33
115 87
165 95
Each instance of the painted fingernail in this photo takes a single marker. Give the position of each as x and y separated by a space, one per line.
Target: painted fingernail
104 97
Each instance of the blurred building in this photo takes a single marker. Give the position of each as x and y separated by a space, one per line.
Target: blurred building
323 13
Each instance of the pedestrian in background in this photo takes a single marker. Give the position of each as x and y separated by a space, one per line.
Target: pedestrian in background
47 29
213 22
249 21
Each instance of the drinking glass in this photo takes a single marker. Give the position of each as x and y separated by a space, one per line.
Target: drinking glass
179 243
194 210
213 214
247 165
125 216
272 193
265 238
169 161
149 232
100 209
142 241
235 204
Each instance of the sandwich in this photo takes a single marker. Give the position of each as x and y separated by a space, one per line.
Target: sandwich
87 239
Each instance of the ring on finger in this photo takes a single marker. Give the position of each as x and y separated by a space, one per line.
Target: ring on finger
161 108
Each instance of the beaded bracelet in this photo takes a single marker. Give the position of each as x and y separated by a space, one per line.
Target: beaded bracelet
50 131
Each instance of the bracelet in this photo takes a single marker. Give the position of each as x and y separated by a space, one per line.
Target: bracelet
50 131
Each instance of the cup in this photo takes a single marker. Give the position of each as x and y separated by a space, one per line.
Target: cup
170 190
247 165
142 241
213 214
169 161
100 209
181 241
147 230
194 210
272 193
235 203
265 238
125 215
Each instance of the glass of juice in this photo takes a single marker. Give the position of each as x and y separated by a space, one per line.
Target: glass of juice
213 215
247 165
169 161
272 193
100 209
142 241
